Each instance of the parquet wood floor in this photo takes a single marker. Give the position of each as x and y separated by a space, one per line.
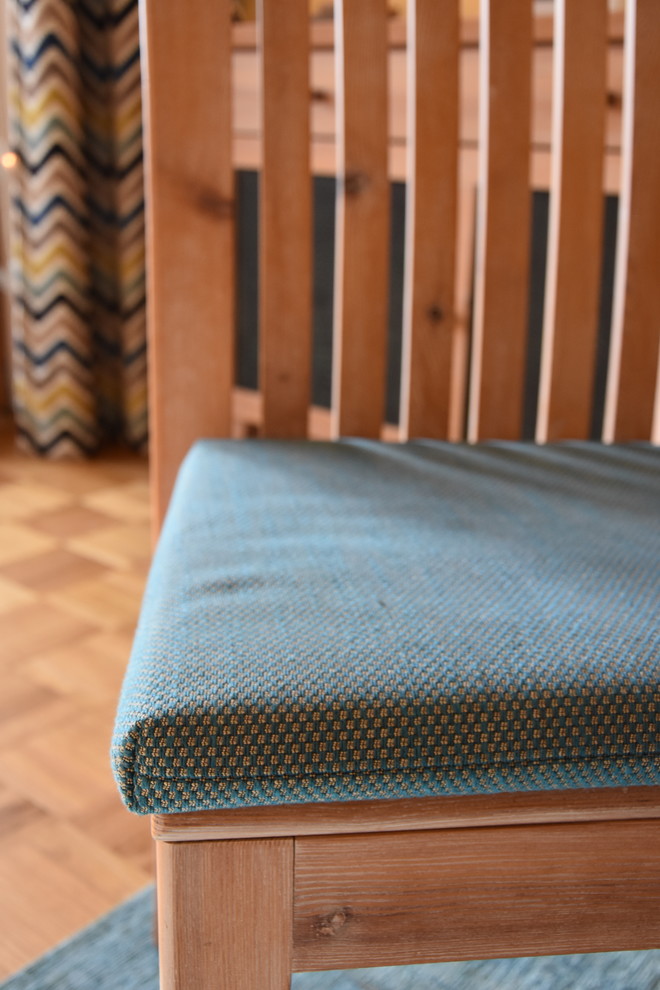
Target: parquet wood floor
74 551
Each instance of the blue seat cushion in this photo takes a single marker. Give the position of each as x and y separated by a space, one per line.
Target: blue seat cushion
353 620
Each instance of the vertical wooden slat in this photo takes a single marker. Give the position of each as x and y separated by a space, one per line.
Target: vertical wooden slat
431 211
285 270
363 225
572 294
631 383
190 229
503 221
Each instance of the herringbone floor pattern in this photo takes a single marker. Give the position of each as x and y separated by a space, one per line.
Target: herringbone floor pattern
74 550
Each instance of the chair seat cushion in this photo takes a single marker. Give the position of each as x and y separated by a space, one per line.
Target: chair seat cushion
353 620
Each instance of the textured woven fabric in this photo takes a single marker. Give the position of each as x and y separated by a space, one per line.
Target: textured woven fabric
360 620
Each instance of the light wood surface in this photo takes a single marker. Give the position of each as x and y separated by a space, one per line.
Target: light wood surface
599 804
431 215
247 152
503 222
573 276
70 850
363 220
285 218
522 890
635 345
246 102
190 229
247 406
225 914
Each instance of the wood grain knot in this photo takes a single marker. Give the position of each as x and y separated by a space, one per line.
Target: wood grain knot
331 924
355 183
435 314
212 202
320 95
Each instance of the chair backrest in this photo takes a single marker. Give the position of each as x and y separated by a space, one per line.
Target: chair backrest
458 381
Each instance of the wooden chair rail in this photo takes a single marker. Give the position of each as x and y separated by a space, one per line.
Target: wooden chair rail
474 811
257 910
416 897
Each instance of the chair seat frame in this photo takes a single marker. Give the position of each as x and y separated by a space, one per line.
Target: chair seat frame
259 893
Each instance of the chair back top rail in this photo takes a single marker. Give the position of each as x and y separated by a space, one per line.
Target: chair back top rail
465 365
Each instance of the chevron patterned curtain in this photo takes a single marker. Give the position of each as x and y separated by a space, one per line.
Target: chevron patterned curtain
79 361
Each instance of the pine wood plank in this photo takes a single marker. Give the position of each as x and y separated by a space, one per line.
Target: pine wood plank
26 706
105 603
20 501
475 893
82 670
225 908
13 595
464 275
63 768
35 627
431 218
285 218
109 824
59 679
635 342
52 569
246 103
503 222
363 220
128 502
20 542
400 815
54 880
572 294
16 813
74 520
190 229
114 546
248 417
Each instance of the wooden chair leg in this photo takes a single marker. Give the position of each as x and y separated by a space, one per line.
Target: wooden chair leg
225 914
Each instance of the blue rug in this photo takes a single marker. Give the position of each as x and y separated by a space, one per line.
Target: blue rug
117 953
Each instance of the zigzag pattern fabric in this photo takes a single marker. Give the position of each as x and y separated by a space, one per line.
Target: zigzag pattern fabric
79 347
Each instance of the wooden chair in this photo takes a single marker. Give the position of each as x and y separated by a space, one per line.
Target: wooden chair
256 893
